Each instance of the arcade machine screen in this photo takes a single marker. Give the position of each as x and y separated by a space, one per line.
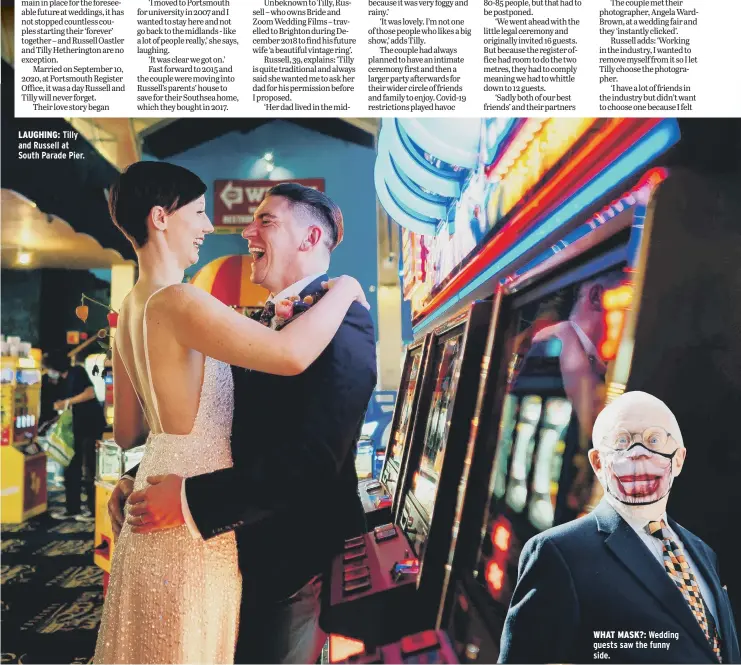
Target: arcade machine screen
425 478
557 348
397 441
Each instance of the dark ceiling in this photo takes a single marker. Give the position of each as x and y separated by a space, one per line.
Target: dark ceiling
175 137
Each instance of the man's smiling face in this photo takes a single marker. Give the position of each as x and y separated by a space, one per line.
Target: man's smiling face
274 236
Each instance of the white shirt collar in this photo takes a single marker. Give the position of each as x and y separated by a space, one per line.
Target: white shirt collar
638 524
295 288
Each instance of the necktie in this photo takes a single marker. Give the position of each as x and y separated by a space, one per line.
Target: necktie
268 313
681 574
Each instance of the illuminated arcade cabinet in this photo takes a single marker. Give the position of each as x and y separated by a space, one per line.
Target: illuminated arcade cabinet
659 286
379 496
392 572
409 178
580 286
24 492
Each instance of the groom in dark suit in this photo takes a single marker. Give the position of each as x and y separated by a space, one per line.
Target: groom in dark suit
626 583
291 496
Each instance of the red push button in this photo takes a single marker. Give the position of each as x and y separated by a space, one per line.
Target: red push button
418 642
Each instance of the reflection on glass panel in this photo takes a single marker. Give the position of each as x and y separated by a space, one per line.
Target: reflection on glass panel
523 453
397 447
427 476
498 482
558 350
548 462
398 437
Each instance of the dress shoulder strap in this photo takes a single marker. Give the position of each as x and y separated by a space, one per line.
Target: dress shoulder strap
146 357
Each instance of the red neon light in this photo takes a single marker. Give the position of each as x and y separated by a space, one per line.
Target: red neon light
501 538
604 148
494 576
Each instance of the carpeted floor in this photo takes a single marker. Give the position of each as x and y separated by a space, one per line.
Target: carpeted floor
52 592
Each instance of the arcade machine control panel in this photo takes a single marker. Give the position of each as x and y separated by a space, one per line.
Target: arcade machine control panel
429 646
376 502
378 561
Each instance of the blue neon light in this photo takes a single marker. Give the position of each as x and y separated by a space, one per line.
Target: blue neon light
429 161
408 210
655 143
416 189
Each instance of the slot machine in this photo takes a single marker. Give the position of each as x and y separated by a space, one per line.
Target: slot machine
530 469
581 211
378 495
381 584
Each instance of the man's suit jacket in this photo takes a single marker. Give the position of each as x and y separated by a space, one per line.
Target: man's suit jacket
595 574
292 494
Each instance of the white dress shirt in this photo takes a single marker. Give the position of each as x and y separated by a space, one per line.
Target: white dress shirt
292 290
656 548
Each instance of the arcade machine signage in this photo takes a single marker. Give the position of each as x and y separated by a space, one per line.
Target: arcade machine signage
610 152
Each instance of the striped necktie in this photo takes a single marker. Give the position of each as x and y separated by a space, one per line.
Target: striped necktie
681 574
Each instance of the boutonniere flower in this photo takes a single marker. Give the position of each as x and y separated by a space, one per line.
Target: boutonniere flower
288 309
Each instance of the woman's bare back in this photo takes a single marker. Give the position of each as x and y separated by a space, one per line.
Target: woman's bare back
169 381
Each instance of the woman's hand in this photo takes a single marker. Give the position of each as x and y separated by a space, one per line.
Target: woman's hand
350 283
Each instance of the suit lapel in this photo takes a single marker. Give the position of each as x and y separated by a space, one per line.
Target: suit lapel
633 554
315 286
694 548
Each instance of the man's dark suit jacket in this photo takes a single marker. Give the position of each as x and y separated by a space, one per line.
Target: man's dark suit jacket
292 494
595 574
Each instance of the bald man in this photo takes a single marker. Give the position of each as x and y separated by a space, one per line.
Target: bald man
625 583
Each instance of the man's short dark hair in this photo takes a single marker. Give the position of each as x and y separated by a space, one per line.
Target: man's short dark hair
57 360
318 205
144 185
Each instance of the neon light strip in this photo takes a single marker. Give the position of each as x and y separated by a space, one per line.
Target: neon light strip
649 147
604 148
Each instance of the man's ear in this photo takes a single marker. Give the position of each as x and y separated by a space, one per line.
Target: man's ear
679 461
595 461
312 239
595 296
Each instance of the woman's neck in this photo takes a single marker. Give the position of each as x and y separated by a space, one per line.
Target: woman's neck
158 267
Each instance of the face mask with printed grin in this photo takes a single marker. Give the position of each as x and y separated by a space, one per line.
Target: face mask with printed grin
635 478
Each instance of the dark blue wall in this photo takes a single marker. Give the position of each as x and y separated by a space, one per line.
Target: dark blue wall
347 169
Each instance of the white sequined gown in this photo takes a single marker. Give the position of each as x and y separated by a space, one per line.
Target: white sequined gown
173 598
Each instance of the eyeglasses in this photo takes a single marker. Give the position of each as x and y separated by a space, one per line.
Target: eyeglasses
652 438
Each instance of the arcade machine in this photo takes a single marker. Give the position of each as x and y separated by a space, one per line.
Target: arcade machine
378 495
384 582
659 292
23 461
558 245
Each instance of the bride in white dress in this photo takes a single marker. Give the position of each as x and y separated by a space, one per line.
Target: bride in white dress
173 598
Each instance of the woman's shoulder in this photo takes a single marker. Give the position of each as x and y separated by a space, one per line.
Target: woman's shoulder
175 296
